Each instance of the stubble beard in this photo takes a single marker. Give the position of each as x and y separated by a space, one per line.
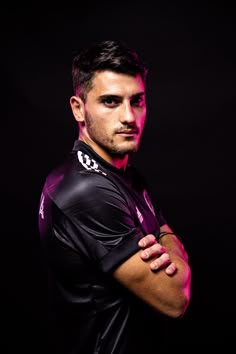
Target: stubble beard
108 143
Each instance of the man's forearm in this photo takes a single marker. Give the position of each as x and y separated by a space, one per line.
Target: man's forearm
173 245
168 257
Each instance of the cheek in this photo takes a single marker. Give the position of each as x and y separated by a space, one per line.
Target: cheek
101 116
102 125
105 120
142 120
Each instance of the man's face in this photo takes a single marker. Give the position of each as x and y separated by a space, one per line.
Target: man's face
115 112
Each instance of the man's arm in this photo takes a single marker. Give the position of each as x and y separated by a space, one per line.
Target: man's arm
167 293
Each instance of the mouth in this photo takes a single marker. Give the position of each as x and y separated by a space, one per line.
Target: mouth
128 132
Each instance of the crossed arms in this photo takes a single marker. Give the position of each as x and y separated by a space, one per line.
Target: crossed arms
159 273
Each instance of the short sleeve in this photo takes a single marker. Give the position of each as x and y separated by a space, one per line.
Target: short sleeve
100 222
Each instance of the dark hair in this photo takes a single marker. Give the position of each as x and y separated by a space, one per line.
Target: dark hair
104 55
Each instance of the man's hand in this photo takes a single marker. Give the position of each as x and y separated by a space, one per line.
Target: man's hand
153 249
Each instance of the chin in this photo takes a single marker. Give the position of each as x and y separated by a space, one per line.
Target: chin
128 149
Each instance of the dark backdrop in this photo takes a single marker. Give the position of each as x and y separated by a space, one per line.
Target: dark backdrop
187 154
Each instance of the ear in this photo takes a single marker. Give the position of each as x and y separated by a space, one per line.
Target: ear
78 109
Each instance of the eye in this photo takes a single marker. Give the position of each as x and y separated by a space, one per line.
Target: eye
138 101
111 101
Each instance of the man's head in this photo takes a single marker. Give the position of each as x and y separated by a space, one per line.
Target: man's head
109 100
105 55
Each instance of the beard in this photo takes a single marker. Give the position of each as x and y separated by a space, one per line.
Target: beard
110 142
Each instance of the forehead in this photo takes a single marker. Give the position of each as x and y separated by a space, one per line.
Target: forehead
111 83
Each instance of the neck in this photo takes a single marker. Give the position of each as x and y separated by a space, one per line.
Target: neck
120 162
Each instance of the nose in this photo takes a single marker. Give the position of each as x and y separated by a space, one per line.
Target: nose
127 113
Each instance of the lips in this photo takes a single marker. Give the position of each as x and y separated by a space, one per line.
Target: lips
128 131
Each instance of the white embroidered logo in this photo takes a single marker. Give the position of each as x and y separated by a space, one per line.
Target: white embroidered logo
89 164
41 208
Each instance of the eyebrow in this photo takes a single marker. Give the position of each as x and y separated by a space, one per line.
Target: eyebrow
102 97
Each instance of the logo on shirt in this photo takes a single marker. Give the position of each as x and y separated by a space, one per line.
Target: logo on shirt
88 163
148 201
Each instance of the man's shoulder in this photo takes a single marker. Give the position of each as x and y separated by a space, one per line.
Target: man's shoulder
80 180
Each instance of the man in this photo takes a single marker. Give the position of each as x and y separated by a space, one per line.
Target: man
104 243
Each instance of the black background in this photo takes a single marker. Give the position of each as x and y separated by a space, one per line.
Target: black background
187 152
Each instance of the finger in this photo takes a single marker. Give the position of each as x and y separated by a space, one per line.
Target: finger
147 240
160 262
171 269
153 251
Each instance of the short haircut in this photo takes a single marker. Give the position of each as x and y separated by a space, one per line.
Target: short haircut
105 55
